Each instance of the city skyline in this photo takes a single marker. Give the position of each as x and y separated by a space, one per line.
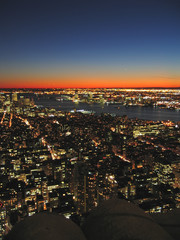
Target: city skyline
68 151
125 44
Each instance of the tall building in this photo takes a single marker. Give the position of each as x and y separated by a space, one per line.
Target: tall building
164 172
15 97
3 220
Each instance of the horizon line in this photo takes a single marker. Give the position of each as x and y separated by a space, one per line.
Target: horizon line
90 87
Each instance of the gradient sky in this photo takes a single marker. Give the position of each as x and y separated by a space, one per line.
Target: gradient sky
83 43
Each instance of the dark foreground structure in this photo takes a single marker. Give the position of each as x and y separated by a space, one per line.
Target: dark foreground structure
112 220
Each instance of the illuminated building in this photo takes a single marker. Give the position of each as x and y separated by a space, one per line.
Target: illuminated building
164 172
15 97
3 220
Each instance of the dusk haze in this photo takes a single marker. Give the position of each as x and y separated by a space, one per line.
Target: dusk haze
64 44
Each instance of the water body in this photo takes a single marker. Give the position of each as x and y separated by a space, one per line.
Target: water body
147 113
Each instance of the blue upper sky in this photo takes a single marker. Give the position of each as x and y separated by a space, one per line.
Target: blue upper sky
122 36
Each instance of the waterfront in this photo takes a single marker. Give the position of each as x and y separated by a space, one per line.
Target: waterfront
54 159
147 113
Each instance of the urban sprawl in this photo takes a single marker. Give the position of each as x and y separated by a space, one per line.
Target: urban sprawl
69 162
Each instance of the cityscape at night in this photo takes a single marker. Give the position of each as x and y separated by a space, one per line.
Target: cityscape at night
68 162
90 120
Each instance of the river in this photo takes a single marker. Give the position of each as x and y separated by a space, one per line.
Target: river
147 113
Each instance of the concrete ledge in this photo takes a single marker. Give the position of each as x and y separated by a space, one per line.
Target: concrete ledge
44 226
170 221
119 219
112 220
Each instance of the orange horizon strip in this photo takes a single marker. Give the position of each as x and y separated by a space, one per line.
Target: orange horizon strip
89 83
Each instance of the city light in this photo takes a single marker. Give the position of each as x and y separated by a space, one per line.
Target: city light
70 161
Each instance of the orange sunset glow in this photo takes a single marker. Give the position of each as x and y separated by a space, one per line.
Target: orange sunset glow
89 82
114 45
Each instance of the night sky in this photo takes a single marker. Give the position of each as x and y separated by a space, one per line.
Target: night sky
74 43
